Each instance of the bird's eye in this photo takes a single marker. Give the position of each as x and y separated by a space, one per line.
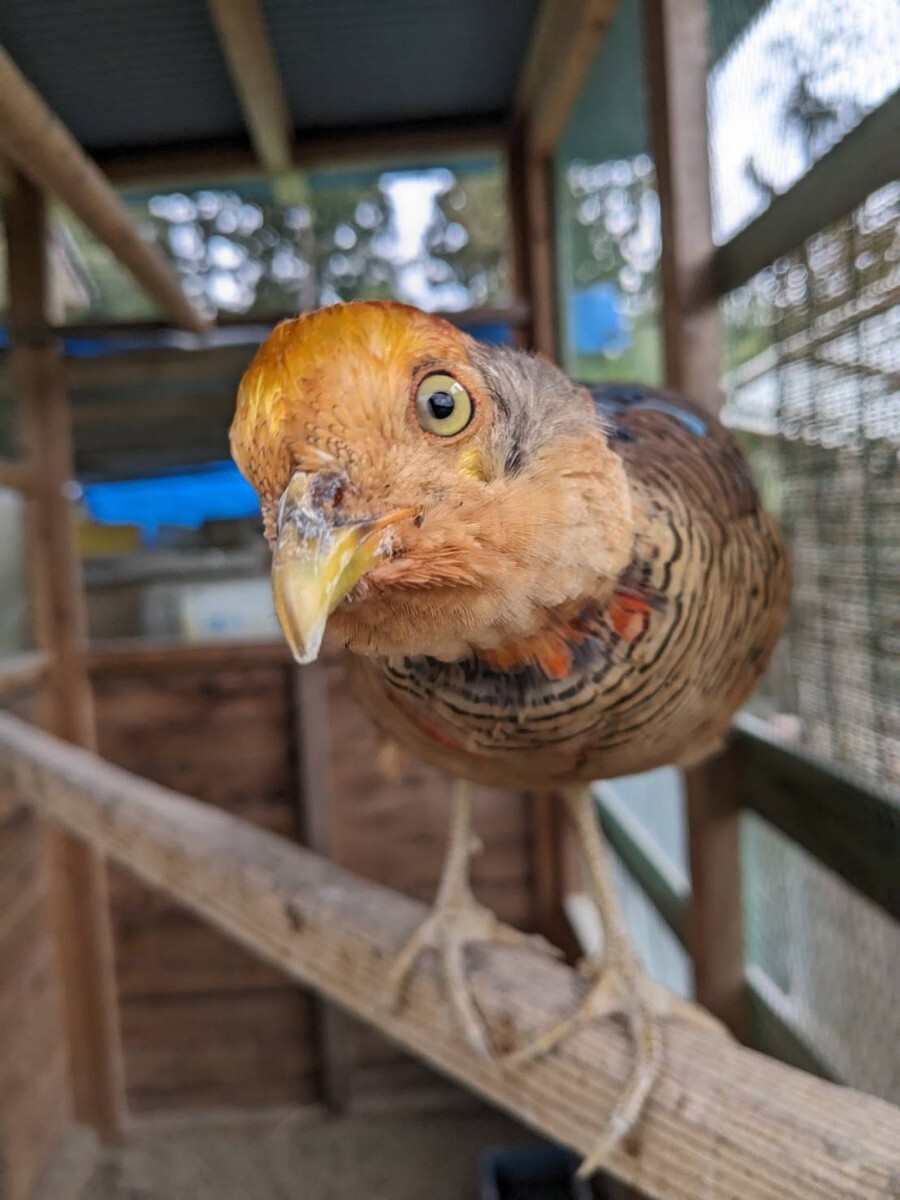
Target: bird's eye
443 406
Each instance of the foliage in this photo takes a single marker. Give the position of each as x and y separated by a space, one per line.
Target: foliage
466 241
611 234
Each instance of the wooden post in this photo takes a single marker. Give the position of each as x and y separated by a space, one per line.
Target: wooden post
531 194
715 920
676 56
518 233
531 246
78 884
313 745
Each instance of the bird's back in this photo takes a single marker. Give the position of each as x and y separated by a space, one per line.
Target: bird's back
650 672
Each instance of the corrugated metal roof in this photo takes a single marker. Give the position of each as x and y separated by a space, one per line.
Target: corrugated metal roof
129 75
610 117
356 62
125 74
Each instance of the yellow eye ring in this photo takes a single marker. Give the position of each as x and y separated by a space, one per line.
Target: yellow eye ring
443 406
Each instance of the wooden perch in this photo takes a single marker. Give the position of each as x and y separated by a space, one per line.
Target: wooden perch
723 1121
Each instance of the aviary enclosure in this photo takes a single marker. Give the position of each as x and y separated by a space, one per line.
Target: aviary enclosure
207 860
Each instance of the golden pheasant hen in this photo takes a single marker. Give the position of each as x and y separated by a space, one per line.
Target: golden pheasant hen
541 584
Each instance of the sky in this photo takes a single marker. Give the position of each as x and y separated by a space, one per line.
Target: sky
852 50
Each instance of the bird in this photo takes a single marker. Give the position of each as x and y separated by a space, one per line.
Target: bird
540 584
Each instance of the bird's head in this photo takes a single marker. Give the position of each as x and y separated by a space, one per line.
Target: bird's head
423 493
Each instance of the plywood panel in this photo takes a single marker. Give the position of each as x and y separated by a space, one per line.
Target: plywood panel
231 1049
224 732
205 1025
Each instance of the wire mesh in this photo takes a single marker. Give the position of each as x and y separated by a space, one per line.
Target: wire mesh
813 390
792 78
832 958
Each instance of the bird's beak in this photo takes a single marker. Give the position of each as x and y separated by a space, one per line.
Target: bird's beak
318 561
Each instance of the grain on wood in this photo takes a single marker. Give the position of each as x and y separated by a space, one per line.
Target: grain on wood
214 721
722 1121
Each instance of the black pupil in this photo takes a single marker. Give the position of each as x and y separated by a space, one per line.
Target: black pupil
442 405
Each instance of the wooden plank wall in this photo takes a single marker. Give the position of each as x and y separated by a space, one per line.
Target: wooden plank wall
35 1097
204 1025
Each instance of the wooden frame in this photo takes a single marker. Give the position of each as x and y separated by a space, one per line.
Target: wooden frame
850 827
676 55
765 1129
81 909
675 50
248 52
408 141
43 148
858 165
16 475
566 39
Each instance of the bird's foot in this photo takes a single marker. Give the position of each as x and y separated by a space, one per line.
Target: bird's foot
452 925
620 988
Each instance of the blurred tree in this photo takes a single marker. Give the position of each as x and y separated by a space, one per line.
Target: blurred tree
466 241
239 251
350 223
610 216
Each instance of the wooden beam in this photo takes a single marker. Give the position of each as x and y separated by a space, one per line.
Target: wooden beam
41 146
312 737
412 141
151 657
675 33
715 917
516 313
849 826
722 1120
860 163
23 673
676 58
78 882
539 209
567 36
773 1029
251 62
555 867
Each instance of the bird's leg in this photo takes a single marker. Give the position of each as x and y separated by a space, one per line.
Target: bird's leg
619 986
456 920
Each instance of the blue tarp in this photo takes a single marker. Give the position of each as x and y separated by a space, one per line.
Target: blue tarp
597 322
215 493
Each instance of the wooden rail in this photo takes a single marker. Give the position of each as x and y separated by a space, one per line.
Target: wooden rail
860 163
850 826
724 1121
23 673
